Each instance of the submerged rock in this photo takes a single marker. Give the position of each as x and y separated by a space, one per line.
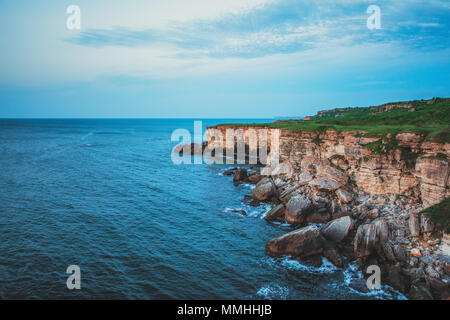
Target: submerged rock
300 243
240 175
239 211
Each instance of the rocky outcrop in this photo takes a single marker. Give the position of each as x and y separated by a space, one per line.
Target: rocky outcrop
297 209
264 190
300 243
365 240
276 214
331 160
366 206
338 229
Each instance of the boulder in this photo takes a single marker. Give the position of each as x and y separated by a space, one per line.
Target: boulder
240 175
240 211
359 285
300 243
334 257
426 223
416 253
382 229
398 279
326 184
419 291
311 261
276 214
371 214
228 172
264 190
365 240
318 216
326 171
344 196
401 255
439 289
338 229
287 194
297 209
305 177
429 270
388 251
255 203
414 225
254 178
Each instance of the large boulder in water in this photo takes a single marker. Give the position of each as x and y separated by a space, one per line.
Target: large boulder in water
300 243
264 190
298 208
337 229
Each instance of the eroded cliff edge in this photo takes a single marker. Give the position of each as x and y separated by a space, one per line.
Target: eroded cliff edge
415 167
366 193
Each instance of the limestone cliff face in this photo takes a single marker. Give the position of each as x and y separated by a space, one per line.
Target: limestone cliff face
345 158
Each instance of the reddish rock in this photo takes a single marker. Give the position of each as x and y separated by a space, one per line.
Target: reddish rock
416 253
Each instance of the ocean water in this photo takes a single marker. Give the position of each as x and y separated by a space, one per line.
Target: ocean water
105 195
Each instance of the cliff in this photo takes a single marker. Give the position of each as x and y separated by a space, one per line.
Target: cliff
414 166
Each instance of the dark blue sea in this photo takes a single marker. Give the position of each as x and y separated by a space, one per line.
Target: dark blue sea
105 195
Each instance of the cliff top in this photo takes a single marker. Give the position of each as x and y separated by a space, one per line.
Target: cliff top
430 118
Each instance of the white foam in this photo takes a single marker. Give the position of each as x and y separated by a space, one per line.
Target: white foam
273 292
386 292
326 268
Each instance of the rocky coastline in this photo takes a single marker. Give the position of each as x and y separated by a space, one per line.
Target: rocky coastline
350 204
342 227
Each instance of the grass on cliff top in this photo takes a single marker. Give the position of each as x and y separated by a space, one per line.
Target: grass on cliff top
440 214
429 118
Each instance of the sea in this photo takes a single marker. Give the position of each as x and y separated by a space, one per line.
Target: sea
104 195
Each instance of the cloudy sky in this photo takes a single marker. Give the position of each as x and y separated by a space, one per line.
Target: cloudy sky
218 59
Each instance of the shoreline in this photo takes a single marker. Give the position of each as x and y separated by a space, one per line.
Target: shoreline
364 235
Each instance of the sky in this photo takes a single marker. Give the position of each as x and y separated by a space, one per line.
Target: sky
218 59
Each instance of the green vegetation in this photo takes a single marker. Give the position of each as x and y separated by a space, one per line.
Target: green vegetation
440 214
430 118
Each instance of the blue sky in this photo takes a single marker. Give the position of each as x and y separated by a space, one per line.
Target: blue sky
218 59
